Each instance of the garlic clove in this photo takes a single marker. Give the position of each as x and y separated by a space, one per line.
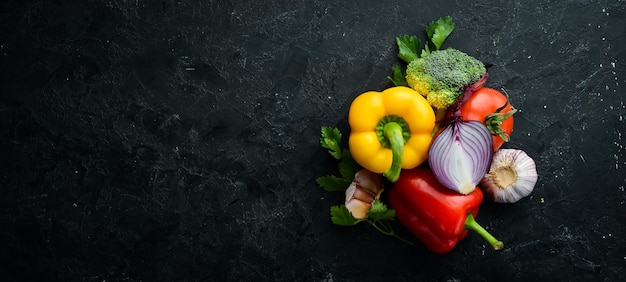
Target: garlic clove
511 177
369 181
358 208
366 187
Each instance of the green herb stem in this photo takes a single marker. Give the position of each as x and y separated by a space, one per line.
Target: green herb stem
385 228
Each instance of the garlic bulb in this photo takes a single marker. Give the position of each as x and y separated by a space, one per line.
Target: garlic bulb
512 176
366 187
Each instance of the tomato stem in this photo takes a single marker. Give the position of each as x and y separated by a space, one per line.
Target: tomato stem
494 121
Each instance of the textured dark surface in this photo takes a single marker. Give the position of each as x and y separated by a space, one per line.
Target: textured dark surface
178 140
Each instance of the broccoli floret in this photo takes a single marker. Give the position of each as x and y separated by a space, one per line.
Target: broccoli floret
442 74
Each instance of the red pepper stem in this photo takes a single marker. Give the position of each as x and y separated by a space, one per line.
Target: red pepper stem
471 224
393 133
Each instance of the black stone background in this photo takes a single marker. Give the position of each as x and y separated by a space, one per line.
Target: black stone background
178 140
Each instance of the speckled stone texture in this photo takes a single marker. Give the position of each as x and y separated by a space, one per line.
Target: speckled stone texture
178 140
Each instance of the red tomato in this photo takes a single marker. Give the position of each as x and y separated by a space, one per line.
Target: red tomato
484 102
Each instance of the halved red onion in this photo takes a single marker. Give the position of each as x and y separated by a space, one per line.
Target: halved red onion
461 154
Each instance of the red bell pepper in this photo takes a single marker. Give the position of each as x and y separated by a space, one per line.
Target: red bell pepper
437 216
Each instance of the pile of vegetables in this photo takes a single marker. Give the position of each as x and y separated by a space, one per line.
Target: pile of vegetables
431 145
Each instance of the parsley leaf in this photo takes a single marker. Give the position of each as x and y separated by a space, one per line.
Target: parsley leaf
397 76
348 166
439 30
331 140
407 47
340 215
333 183
380 211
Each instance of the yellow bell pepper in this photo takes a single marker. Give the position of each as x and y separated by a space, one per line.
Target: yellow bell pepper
390 130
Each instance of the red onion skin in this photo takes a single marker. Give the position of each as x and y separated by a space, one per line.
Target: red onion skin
469 140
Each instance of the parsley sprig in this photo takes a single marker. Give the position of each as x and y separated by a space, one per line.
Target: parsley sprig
379 216
409 46
331 140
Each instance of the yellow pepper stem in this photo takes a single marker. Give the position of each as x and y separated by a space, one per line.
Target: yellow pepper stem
393 133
